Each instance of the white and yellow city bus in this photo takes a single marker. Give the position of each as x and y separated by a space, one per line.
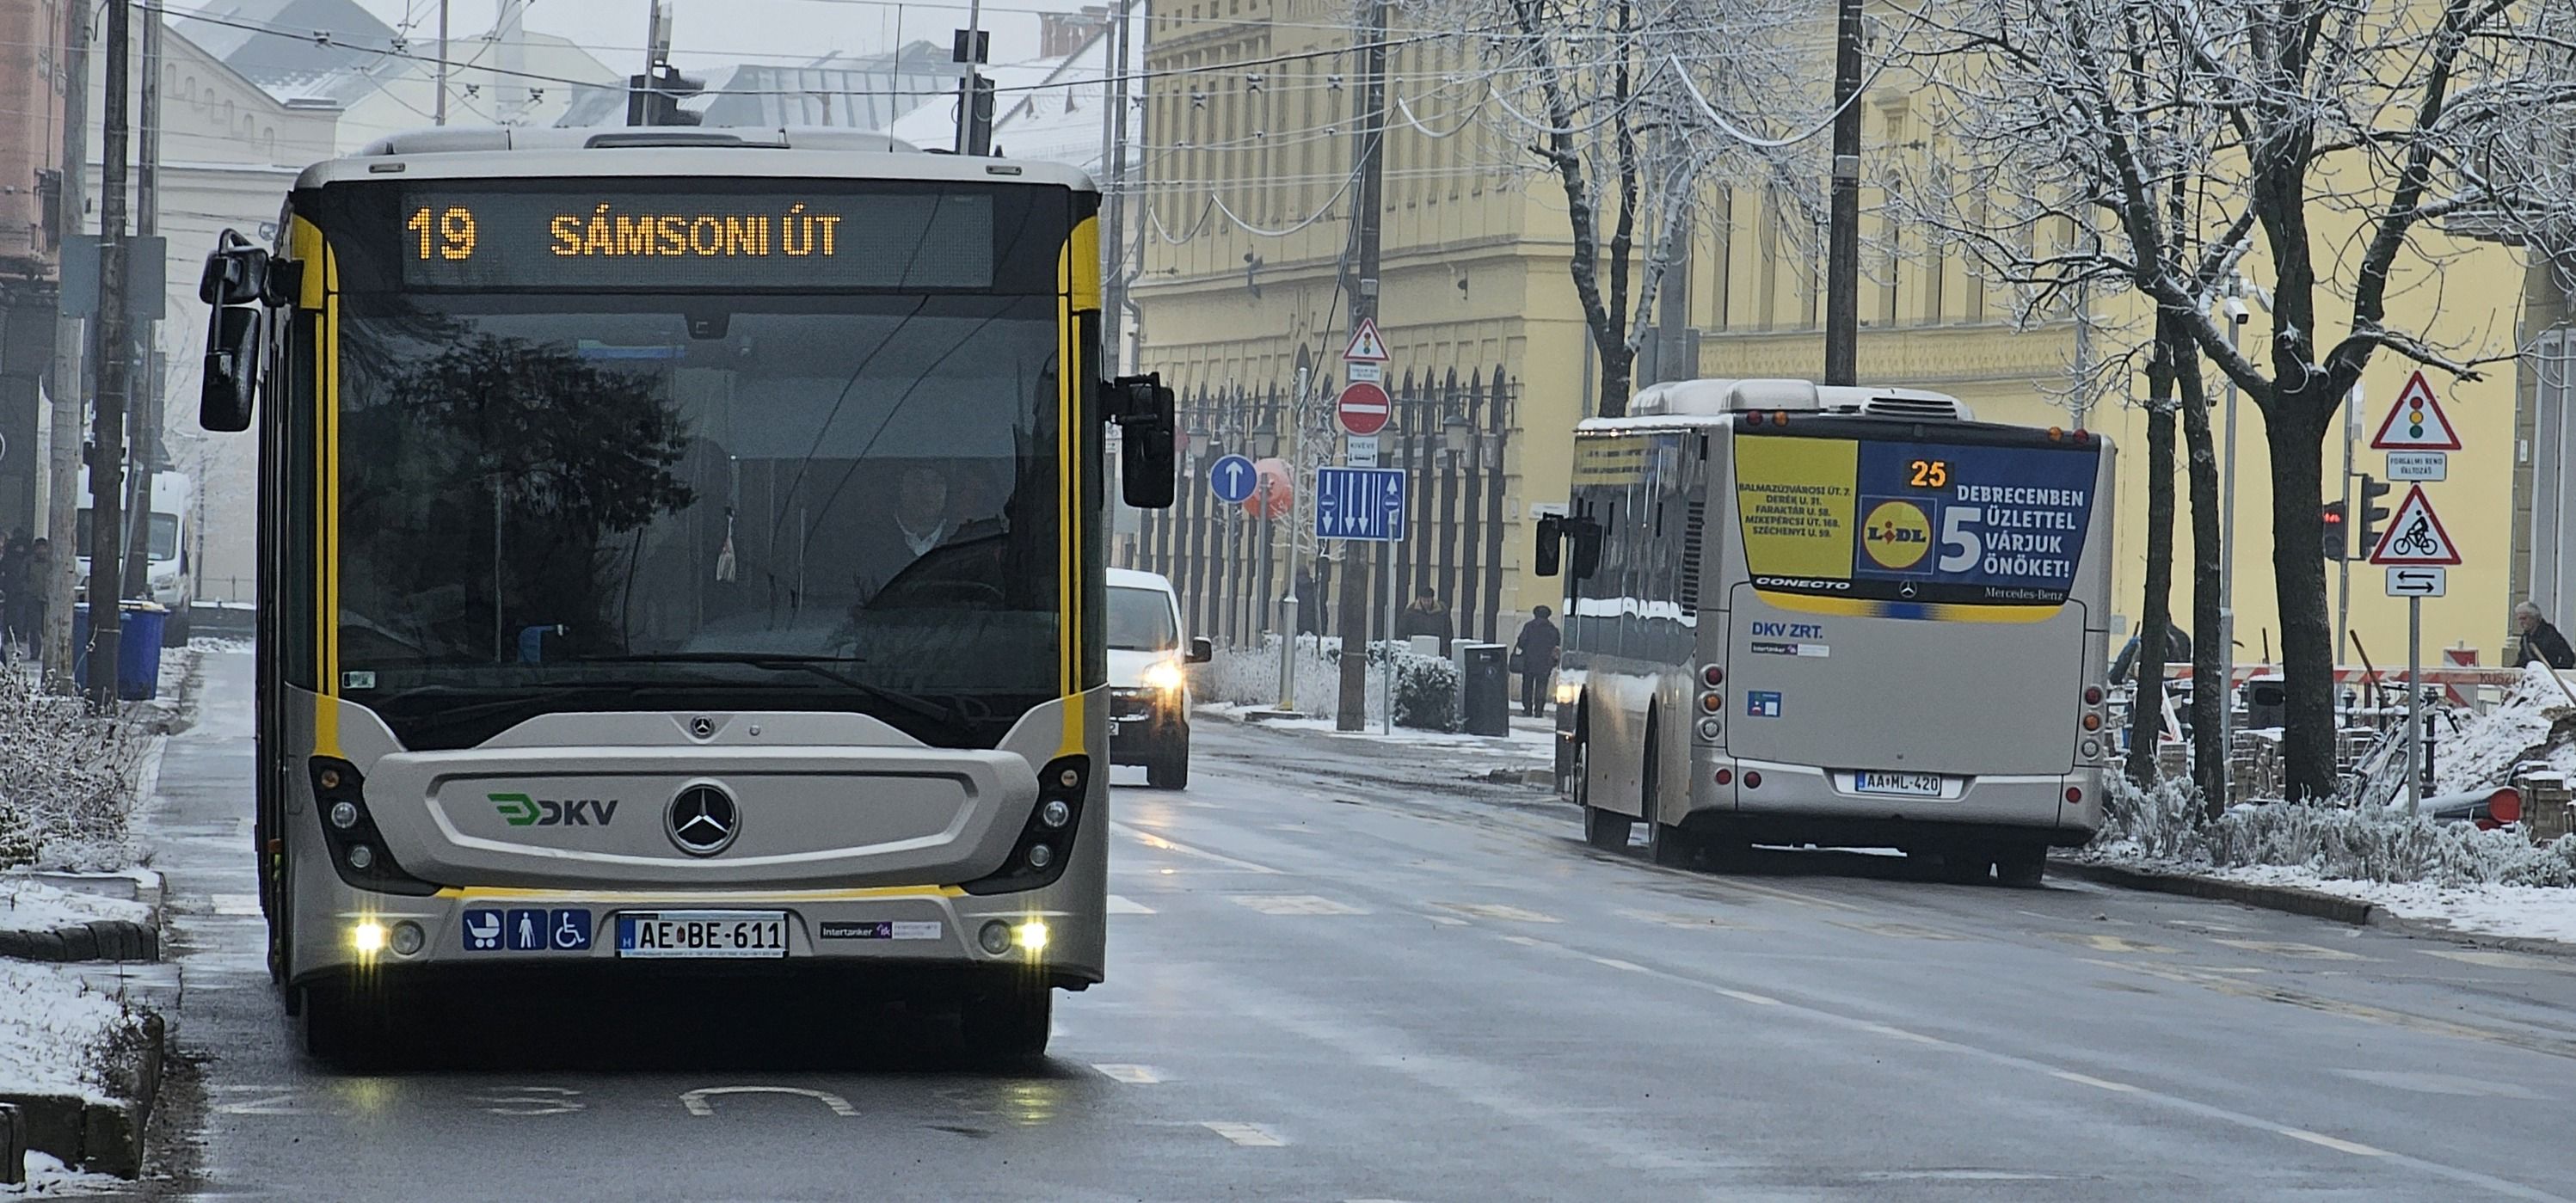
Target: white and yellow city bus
1799 614
681 552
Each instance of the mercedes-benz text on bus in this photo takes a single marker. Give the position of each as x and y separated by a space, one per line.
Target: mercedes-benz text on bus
681 552
1839 616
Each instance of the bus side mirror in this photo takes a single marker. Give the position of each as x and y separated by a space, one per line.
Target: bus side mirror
233 346
1551 546
237 283
1147 459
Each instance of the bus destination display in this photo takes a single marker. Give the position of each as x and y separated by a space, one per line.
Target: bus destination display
1917 522
682 240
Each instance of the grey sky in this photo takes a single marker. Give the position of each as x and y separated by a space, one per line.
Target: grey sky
713 32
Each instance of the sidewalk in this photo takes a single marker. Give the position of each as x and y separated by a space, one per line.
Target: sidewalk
1526 756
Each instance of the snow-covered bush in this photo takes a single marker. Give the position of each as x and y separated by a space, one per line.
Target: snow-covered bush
1425 686
1426 691
67 780
2533 722
2162 823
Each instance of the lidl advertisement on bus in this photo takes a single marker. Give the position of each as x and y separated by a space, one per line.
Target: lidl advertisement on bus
1930 522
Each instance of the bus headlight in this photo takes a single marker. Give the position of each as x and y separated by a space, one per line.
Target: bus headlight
1165 676
1031 935
368 937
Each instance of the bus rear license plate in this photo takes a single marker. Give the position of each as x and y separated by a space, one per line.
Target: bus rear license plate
1916 785
726 934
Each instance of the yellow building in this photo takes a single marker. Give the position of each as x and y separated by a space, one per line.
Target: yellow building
1240 272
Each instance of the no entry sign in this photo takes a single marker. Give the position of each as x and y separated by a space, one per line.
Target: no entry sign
1363 408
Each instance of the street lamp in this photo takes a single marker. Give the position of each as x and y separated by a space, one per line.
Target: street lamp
1456 436
1265 439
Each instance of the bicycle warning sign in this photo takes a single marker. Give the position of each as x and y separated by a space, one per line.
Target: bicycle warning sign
2415 536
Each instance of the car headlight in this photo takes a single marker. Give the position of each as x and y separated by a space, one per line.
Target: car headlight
1165 676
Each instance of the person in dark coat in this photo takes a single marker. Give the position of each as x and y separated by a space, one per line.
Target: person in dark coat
2541 643
1536 650
2177 651
1426 616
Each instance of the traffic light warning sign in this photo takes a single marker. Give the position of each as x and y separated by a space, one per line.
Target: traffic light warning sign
2416 422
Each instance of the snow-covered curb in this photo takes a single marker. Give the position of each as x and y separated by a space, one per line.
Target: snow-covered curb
2485 909
56 1032
30 905
1533 748
49 1178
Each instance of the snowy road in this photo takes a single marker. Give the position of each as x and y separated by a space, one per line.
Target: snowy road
1333 977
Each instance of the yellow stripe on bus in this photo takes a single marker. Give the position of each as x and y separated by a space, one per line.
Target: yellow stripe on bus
322 286
1068 441
683 897
1856 607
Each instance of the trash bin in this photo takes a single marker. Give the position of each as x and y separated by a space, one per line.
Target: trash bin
2266 701
138 648
1485 681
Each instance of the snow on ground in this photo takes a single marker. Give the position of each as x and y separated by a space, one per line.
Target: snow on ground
53 1030
2482 754
1536 746
29 905
49 1178
2521 912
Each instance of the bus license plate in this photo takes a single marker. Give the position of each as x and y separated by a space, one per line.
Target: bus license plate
1915 785
702 934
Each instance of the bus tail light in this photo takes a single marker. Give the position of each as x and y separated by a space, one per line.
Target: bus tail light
357 849
2092 720
1712 675
1710 729
1045 845
1752 779
2092 695
2075 795
1726 776
1711 703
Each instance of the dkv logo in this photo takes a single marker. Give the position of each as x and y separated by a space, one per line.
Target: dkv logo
520 810
1897 534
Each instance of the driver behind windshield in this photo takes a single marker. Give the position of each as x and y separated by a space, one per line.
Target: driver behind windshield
931 506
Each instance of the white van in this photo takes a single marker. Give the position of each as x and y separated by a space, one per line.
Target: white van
168 576
1149 692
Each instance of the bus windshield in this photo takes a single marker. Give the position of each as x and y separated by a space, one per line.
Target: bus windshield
624 488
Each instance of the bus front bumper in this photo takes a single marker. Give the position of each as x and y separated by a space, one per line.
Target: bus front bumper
900 931
1796 803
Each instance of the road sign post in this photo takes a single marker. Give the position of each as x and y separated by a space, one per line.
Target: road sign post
2414 544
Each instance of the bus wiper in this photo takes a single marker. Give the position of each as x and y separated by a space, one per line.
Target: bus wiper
818 666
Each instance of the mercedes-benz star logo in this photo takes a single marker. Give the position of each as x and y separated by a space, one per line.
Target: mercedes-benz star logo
703 820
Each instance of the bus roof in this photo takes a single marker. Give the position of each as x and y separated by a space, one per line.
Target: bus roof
1711 402
506 152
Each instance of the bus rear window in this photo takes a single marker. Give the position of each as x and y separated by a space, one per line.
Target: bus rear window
1907 521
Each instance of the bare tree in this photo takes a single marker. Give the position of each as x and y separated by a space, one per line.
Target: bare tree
2178 137
1631 109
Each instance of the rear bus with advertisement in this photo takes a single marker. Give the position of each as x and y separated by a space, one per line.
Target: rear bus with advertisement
1841 616
682 556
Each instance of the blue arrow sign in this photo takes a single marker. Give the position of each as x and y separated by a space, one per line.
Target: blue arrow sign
1364 504
1233 478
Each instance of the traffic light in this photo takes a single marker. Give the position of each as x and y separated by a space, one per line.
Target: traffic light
654 99
2371 514
2332 518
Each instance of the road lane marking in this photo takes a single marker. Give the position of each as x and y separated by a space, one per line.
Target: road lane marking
1151 840
1133 1075
700 1102
1684 919
534 1100
275 1104
1120 904
2097 1083
2105 942
2285 948
1525 941
1445 920
1616 963
1902 1034
2342 1146
2351 1010
1746 996
1295 904
1254 1136
2438 1083
1793 897
1496 910
2500 960
1901 931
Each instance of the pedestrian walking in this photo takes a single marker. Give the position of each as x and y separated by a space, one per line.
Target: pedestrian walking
2177 651
1426 616
2541 642
1534 656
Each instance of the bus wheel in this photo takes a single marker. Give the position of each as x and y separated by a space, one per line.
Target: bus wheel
2022 868
1006 1025
1669 846
1171 770
1603 829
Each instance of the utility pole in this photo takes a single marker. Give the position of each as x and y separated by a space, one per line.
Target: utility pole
1359 283
71 359
1842 259
115 365
2343 570
1113 218
974 93
438 109
145 416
